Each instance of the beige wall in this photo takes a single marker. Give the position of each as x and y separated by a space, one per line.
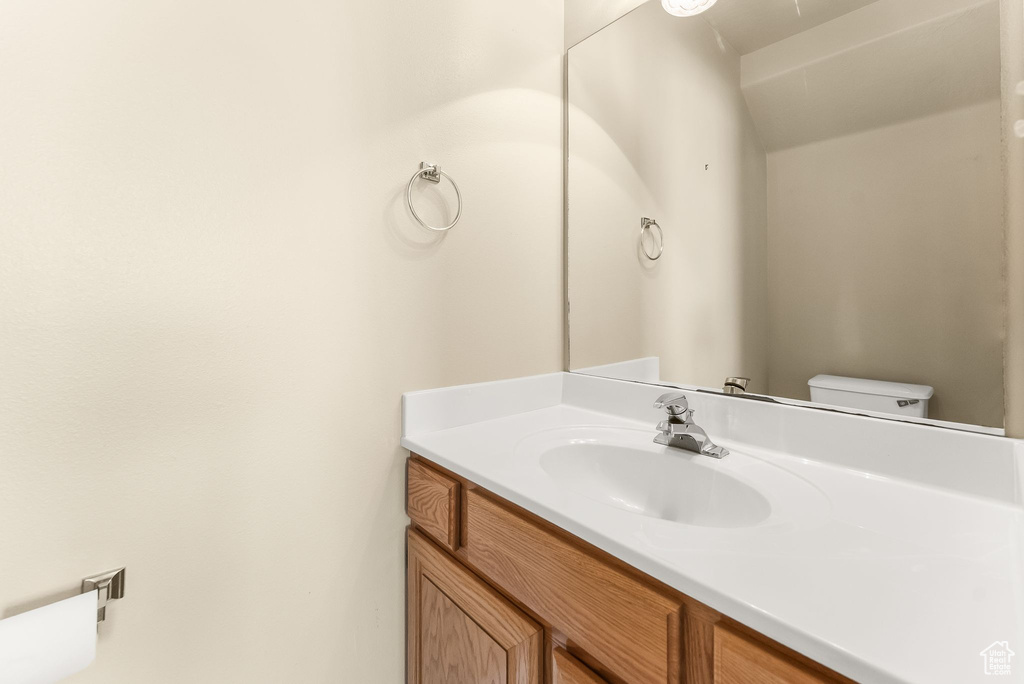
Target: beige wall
652 101
211 298
1012 22
887 266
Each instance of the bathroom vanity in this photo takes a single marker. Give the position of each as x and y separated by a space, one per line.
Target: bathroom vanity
497 594
553 541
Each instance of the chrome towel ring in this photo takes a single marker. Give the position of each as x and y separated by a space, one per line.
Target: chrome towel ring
647 226
433 174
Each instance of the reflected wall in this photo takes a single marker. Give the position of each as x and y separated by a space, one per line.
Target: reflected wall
831 189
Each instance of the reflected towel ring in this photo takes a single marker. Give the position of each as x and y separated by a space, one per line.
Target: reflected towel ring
432 173
648 225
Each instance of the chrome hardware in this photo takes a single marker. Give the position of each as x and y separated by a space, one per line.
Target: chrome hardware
430 172
904 403
680 432
110 587
647 226
674 403
433 174
735 385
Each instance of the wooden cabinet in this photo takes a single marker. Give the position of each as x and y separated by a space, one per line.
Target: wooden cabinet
741 660
567 670
461 631
497 594
432 502
626 625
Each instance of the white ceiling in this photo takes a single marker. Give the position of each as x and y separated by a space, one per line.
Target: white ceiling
750 25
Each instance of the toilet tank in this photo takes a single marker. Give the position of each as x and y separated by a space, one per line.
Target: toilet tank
898 398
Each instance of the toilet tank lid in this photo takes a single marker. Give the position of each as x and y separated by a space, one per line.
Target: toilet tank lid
899 390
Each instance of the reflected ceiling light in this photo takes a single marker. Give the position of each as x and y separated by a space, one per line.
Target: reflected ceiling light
686 8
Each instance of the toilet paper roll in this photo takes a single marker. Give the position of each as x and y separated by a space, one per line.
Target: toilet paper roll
50 643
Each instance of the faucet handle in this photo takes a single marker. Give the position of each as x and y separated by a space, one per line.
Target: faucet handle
674 403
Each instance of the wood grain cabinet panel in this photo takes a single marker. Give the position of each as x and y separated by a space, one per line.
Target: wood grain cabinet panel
740 660
631 629
567 670
432 502
453 647
460 630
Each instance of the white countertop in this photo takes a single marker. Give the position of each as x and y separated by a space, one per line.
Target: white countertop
892 580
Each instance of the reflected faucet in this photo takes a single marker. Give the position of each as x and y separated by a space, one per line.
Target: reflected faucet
736 385
680 432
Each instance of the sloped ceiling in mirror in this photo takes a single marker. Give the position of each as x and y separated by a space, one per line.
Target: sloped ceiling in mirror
750 25
891 61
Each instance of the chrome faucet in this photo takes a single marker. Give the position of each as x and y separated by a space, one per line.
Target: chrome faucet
680 432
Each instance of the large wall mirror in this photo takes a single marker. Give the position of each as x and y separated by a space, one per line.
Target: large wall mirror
822 185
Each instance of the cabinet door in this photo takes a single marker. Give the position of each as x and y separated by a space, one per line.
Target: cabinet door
462 631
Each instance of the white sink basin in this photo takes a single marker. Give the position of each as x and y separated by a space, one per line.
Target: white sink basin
625 469
659 485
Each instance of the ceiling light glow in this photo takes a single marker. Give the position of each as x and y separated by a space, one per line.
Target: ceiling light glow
686 8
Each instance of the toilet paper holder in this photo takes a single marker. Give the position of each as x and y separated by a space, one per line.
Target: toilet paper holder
110 587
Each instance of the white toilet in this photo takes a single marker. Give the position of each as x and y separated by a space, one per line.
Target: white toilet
898 398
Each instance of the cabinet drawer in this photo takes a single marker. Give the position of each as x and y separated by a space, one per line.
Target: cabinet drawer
739 660
432 502
629 628
567 670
